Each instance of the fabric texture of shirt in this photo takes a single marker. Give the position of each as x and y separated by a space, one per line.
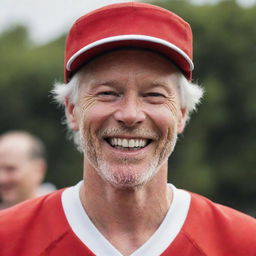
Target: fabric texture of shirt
193 226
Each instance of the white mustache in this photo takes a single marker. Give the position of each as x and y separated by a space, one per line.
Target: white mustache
132 132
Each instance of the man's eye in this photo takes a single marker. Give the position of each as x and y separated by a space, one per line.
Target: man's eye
107 93
10 169
155 97
155 94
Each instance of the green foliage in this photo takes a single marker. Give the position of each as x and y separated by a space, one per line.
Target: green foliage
216 154
26 78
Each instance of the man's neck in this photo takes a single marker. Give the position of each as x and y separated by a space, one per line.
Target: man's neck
127 217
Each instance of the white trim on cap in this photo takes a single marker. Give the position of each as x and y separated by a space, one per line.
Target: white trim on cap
129 37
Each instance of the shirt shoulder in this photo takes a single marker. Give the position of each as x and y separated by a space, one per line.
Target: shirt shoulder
219 230
32 226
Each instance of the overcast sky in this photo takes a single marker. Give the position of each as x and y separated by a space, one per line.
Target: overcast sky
47 19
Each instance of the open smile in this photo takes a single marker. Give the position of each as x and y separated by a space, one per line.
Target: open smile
128 143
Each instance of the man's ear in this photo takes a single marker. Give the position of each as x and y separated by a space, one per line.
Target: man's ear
183 115
70 114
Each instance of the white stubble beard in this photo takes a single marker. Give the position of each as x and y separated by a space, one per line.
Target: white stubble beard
127 178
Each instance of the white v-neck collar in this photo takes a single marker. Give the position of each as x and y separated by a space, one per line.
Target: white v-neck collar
85 230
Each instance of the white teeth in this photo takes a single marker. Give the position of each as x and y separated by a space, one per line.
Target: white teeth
128 143
131 143
142 143
125 143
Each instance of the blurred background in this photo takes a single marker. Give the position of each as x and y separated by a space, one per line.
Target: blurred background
216 154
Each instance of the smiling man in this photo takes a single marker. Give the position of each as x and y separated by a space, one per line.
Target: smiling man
128 116
127 96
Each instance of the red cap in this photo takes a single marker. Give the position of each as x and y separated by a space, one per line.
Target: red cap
129 24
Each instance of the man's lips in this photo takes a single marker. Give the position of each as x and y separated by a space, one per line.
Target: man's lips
128 143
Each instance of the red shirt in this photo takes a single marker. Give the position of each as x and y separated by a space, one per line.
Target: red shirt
40 227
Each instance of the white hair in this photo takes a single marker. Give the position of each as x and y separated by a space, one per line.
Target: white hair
190 96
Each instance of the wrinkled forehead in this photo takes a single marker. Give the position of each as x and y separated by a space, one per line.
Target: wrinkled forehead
124 62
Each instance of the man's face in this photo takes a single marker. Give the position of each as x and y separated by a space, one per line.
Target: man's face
19 176
128 115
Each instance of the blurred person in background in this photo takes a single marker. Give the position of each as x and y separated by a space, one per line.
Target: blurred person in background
128 94
22 168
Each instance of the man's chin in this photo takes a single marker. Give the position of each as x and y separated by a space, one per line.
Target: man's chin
7 197
127 179
126 185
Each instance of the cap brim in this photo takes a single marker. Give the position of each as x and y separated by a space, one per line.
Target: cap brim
175 54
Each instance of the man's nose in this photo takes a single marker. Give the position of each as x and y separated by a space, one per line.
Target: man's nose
130 112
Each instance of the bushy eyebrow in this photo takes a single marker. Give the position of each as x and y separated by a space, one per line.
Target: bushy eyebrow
158 84
96 83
